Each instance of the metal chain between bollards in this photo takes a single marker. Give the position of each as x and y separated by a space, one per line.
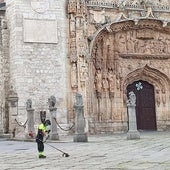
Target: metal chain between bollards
61 127
22 125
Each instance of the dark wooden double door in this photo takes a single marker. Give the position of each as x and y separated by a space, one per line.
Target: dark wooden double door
145 104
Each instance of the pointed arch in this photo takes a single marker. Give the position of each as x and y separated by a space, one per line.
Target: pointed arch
151 75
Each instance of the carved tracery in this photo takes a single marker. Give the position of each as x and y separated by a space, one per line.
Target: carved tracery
127 41
153 76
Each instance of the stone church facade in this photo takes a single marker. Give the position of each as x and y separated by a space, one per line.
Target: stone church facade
102 49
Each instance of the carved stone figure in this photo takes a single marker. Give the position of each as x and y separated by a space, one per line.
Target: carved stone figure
158 100
98 80
121 43
164 97
111 80
131 41
148 7
73 52
72 26
105 82
132 99
118 81
84 73
74 75
167 40
79 100
29 104
52 101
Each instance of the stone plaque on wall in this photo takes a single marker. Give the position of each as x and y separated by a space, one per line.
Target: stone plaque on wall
42 31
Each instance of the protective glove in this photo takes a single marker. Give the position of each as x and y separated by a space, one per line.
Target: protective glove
45 138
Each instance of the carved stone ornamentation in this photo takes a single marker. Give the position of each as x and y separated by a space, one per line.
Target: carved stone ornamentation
29 104
111 81
98 80
72 6
132 99
127 41
73 51
52 102
130 9
74 80
40 6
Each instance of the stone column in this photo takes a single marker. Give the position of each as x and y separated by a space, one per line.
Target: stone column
13 110
131 104
53 112
30 117
80 135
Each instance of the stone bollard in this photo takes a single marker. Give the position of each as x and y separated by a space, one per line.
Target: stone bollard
131 103
53 111
80 135
30 118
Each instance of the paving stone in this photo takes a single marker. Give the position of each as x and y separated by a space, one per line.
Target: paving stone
102 152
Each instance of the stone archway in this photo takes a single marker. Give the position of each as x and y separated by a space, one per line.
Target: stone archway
157 84
123 53
151 75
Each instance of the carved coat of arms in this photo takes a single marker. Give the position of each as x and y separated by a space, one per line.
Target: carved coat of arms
40 6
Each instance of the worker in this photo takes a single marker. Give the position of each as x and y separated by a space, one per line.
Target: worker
42 136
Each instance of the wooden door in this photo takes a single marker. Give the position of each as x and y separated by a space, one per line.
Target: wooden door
145 104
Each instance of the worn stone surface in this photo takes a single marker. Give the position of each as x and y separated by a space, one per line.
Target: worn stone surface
105 152
80 135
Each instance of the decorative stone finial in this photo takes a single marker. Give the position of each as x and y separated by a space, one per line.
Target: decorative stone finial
29 104
79 100
132 99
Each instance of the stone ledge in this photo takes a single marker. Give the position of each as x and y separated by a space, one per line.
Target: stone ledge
5 136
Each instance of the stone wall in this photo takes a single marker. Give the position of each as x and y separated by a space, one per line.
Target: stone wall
38 54
4 70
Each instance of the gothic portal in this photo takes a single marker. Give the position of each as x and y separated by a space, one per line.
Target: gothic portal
145 104
128 44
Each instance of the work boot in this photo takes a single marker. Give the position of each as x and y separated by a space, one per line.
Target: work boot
42 156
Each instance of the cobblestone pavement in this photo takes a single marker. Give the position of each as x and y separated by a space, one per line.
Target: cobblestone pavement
102 152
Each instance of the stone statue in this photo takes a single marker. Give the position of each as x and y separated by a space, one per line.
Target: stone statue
148 7
79 100
158 100
111 80
132 99
29 104
105 82
52 101
74 75
98 80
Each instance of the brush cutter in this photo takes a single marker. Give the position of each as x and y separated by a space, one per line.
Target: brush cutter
64 154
